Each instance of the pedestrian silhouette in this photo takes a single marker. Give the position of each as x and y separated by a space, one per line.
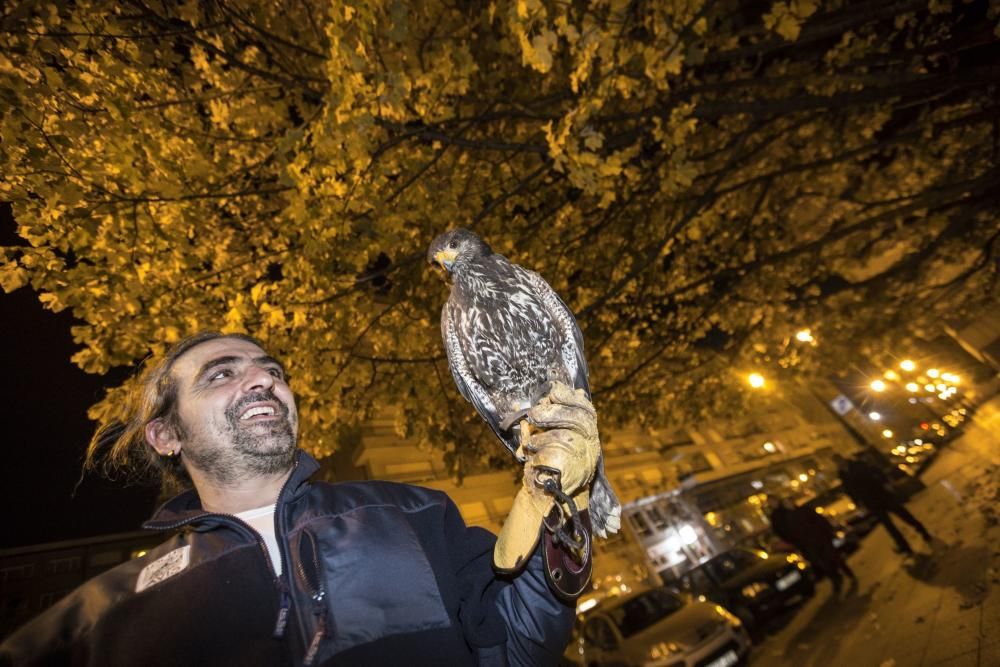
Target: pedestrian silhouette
868 486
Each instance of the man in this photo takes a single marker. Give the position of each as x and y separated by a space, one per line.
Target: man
869 487
268 568
812 535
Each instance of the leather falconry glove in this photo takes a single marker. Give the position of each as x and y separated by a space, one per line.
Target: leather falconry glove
561 458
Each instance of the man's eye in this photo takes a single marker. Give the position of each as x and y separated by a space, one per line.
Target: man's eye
276 372
219 375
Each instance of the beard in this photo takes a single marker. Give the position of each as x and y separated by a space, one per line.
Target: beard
264 448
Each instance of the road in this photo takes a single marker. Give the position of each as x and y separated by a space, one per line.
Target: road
939 607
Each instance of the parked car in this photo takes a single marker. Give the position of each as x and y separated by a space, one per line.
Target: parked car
844 514
657 628
754 585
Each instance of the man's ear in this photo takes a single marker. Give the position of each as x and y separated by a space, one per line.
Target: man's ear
161 436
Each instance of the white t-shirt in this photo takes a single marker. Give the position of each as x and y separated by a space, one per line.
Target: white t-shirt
261 519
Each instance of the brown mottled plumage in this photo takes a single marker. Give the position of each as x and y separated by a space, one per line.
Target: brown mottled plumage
508 336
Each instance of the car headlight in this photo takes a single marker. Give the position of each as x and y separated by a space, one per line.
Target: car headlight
727 616
664 650
754 589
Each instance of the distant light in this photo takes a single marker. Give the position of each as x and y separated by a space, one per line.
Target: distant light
877 385
924 425
951 377
139 554
933 372
757 484
912 401
887 433
911 459
912 387
688 534
803 477
874 416
918 441
929 387
891 375
907 365
804 336
586 605
769 447
756 380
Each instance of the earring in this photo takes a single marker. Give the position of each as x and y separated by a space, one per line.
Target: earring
170 454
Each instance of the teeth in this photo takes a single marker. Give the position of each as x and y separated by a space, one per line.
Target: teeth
262 410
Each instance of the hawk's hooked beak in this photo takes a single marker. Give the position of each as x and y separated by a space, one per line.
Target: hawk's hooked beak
445 258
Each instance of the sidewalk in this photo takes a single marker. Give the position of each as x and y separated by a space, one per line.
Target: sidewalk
940 607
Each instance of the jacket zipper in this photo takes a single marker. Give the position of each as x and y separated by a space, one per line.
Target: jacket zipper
280 534
317 591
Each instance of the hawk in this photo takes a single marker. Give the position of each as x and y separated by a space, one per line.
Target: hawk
508 336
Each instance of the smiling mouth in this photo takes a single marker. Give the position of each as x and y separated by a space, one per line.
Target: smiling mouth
257 411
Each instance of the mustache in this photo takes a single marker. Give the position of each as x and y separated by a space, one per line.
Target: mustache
236 408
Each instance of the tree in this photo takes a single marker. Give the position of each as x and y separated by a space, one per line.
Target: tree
697 178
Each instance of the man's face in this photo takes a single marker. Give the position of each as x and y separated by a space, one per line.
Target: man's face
235 411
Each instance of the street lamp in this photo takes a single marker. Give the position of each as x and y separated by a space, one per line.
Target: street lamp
933 372
877 385
912 387
756 380
887 433
907 365
804 336
874 416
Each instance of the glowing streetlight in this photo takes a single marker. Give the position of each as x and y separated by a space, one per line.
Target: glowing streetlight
933 372
887 433
891 375
770 448
950 377
756 380
912 387
930 387
804 477
804 336
877 385
874 416
907 365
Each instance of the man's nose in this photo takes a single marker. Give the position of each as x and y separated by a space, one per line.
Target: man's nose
257 378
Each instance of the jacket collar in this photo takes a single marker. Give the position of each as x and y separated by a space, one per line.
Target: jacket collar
186 507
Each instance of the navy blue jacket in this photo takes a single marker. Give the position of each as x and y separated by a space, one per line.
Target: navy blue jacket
373 573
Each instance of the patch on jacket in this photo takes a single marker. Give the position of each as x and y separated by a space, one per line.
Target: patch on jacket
163 568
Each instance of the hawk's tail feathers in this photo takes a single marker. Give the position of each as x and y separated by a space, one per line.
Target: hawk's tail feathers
605 510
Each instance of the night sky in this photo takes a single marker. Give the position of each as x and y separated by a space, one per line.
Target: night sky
46 399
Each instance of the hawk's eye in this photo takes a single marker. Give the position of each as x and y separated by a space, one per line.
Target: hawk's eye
453 245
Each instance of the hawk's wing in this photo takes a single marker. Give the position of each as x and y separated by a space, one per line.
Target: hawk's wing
572 350
468 386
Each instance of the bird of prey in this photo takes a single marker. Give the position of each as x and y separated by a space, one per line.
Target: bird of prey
508 336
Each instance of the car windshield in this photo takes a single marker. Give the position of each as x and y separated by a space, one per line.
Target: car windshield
731 563
642 611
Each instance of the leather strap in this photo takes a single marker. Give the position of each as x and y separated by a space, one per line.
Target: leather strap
568 570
